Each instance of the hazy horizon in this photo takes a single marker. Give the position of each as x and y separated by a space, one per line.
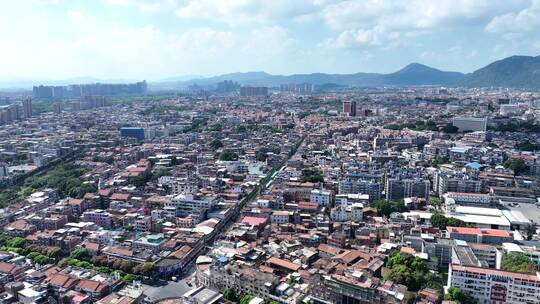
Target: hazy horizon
156 40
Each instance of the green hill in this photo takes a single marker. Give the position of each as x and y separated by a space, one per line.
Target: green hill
515 71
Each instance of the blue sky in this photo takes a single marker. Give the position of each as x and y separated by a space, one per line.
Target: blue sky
157 39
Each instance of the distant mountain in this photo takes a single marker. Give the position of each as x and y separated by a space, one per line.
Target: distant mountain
180 78
419 74
413 74
515 71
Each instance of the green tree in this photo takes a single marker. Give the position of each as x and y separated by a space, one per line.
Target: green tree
312 176
527 146
454 222
146 269
401 274
230 295
386 208
79 254
227 155
517 262
530 230
37 257
53 252
129 277
440 221
216 144
261 156
517 165
138 181
449 128
81 190
128 227
102 269
16 242
440 160
63 262
160 172
408 270
262 153
435 201
457 295
246 299
398 258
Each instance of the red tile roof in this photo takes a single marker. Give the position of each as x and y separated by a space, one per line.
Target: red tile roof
19 225
525 157
105 192
121 196
283 263
254 221
62 280
92 286
488 232
7 268
308 206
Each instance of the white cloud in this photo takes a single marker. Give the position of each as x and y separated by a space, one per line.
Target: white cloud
267 41
215 36
241 11
146 52
376 22
76 16
230 11
47 2
524 20
357 23
416 14
147 5
358 38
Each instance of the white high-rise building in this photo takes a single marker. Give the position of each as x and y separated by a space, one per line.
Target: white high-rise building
495 286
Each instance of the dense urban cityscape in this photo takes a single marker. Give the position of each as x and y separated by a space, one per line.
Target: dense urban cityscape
271 195
269 152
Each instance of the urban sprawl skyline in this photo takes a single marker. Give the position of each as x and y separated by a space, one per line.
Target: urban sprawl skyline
335 152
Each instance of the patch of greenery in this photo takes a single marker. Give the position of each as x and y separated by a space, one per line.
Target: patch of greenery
530 230
197 125
262 153
312 176
518 126
215 144
385 208
457 295
517 165
440 160
228 155
450 129
407 270
109 159
440 221
435 201
246 299
517 262
527 146
230 295
419 125
64 178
